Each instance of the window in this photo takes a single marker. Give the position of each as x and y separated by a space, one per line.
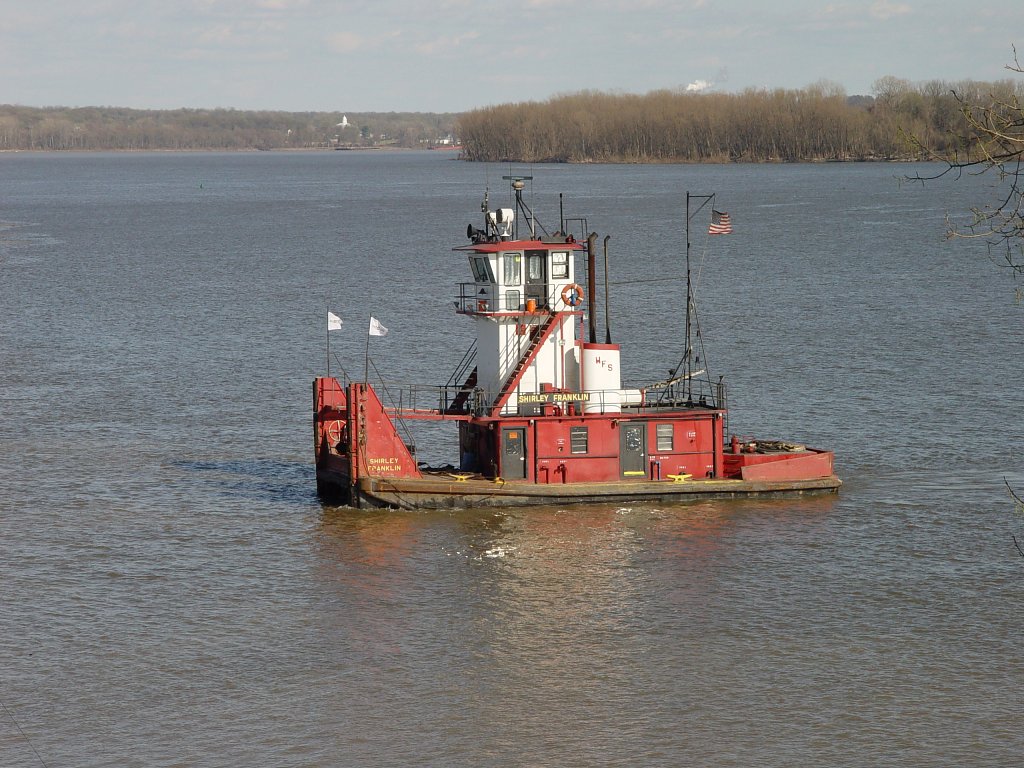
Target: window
664 432
560 265
482 271
535 266
513 273
578 439
512 302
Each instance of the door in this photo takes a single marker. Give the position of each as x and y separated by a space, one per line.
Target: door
513 453
537 277
633 449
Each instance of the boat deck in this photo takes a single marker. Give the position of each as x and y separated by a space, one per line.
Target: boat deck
446 489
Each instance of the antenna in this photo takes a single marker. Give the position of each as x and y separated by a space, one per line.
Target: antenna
518 184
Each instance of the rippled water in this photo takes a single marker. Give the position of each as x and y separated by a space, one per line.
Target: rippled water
173 594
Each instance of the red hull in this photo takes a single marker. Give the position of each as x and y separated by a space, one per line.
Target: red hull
516 460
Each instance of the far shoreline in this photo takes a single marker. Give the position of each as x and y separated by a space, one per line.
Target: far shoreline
457 155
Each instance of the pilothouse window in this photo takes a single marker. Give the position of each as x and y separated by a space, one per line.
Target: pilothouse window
559 265
482 271
513 273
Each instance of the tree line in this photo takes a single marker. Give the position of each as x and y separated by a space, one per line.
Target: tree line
819 122
113 128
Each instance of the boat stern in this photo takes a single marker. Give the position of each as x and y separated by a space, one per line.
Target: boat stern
354 437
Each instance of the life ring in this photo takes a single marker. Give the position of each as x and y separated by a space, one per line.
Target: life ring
573 295
333 433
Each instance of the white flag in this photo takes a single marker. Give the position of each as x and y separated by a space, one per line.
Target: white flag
333 322
376 329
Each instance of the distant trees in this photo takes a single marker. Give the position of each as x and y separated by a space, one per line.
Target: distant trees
968 124
816 123
62 128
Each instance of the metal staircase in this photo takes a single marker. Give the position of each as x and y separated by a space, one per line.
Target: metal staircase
540 335
458 403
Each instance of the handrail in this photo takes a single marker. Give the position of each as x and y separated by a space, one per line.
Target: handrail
534 341
488 297
463 368
699 392
428 400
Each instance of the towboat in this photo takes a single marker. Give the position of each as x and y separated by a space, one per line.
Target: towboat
538 403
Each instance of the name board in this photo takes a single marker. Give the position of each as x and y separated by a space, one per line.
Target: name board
553 397
384 465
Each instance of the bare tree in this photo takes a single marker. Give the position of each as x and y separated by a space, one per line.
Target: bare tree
992 142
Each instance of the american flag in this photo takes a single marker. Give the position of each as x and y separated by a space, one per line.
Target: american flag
721 224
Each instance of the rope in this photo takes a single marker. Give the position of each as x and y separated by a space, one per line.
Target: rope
23 734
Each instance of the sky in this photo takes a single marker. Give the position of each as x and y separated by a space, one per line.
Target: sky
458 55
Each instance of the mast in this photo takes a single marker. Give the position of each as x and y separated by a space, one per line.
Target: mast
690 309
688 349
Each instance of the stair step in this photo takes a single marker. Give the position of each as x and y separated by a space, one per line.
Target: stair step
539 336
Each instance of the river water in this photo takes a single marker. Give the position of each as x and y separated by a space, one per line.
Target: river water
172 593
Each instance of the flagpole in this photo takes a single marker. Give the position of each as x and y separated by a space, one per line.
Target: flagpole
327 306
366 366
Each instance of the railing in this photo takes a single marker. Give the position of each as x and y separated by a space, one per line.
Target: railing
486 297
432 401
514 352
679 394
463 368
412 400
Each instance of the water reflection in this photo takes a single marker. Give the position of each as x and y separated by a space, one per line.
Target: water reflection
569 615
532 573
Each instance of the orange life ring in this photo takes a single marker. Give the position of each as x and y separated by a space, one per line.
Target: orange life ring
333 432
573 295
481 305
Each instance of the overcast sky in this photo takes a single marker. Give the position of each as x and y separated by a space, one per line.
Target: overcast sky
454 55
